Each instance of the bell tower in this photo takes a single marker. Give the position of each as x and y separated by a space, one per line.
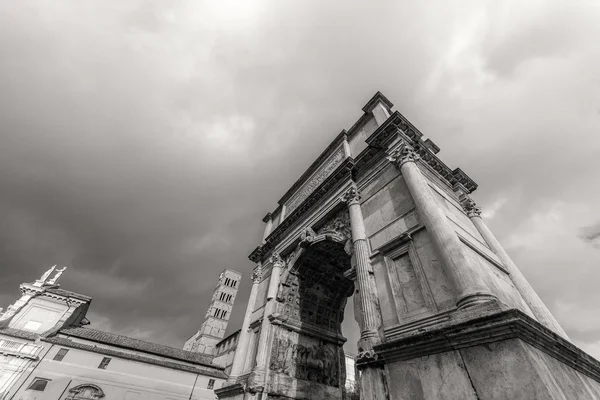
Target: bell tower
217 316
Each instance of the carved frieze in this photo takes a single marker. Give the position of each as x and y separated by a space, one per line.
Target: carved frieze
304 357
320 175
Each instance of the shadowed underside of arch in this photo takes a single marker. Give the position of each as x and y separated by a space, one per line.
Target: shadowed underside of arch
307 357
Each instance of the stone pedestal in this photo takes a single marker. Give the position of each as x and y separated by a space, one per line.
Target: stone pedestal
488 353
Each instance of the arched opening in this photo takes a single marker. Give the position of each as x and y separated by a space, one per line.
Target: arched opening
308 343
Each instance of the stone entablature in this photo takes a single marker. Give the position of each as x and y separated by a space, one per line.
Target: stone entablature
336 164
316 179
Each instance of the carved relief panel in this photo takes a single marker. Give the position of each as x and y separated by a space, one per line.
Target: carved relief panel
303 357
316 179
408 284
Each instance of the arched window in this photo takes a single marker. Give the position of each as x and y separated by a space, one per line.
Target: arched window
85 392
38 384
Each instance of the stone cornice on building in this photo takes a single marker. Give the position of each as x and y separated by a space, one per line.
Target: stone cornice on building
136 344
341 172
481 325
307 329
314 166
212 370
397 126
378 97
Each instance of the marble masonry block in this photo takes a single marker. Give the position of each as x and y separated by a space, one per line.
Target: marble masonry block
374 185
488 353
433 377
386 205
441 287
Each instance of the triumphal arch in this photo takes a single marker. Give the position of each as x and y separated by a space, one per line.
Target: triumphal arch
443 311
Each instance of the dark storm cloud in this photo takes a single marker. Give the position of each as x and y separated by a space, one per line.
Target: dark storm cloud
142 142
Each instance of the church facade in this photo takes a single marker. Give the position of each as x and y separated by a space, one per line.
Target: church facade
48 352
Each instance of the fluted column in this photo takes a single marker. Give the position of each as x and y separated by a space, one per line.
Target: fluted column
459 267
371 320
241 352
536 305
262 353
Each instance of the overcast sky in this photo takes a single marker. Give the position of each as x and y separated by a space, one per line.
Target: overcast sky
141 142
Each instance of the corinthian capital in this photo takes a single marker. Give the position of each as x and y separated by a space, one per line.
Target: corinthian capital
276 260
351 196
257 275
470 207
402 155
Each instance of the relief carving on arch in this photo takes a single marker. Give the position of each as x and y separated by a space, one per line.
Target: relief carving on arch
307 358
338 225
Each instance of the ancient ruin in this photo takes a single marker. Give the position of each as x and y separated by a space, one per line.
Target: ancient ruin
443 311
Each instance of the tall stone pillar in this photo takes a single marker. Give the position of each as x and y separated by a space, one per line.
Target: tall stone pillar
241 352
371 320
536 305
372 377
468 282
259 374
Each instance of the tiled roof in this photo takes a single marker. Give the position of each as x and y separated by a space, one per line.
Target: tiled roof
136 344
212 370
66 293
18 333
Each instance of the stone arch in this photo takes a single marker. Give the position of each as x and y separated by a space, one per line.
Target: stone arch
307 340
85 391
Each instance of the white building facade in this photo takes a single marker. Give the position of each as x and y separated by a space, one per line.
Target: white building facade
48 353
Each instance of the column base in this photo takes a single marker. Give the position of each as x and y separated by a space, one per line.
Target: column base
474 299
256 381
368 339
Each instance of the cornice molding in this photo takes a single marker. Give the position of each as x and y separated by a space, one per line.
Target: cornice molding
306 329
230 390
493 326
378 97
314 166
397 126
394 128
342 172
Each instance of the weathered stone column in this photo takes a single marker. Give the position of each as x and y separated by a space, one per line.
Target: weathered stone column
257 379
536 305
372 377
371 320
466 279
241 352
